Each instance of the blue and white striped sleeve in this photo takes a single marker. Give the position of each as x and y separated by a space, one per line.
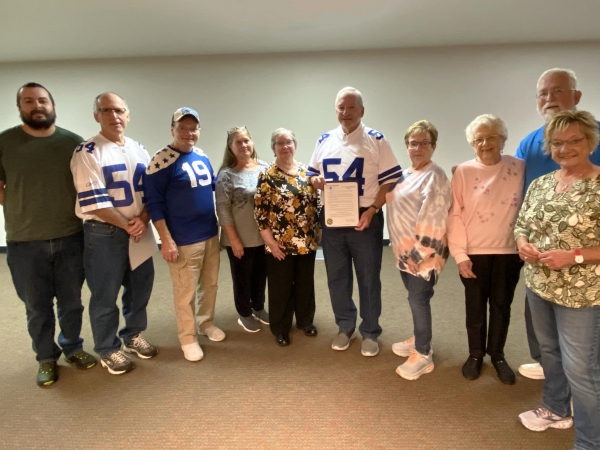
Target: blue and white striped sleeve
89 182
389 169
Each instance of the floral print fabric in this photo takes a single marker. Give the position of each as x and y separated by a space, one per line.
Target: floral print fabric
566 221
289 207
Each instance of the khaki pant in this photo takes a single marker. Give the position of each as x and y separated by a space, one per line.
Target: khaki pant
195 275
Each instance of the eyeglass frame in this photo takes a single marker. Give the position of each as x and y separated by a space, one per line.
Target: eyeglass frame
480 141
545 94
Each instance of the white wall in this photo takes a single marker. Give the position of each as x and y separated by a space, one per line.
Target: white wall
448 86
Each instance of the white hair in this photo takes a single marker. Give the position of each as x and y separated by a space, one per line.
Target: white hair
492 121
99 98
570 73
350 90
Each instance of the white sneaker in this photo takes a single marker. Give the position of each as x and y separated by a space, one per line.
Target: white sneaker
534 371
416 365
540 419
213 333
192 352
404 348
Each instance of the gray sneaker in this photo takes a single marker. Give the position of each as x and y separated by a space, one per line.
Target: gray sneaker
342 340
370 347
249 324
117 363
261 315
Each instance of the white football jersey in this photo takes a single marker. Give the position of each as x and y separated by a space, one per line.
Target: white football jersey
363 155
106 175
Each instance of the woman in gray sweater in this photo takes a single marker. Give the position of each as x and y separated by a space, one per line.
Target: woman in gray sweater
236 185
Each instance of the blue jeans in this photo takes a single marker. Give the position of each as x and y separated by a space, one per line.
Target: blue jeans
342 247
570 343
106 261
42 270
420 292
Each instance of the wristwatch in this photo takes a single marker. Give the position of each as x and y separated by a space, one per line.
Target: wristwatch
375 208
578 256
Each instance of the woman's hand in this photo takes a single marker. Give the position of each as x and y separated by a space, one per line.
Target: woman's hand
465 269
557 259
237 248
276 250
413 267
528 252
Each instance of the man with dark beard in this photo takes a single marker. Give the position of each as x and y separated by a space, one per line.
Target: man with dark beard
44 236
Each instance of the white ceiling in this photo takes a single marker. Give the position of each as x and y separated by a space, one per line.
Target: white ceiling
32 30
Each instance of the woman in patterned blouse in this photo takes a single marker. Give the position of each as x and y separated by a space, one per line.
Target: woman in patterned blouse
487 194
286 209
417 210
236 185
558 236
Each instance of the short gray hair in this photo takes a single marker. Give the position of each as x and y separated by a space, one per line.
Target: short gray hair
99 97
280 131
352 91
492 121
570 73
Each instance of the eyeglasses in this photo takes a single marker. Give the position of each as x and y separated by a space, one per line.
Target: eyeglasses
557 145
415 144
491 139
117 111
289 142
187 130
235 130
556 92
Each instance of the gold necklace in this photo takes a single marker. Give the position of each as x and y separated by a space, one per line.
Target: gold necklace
566 185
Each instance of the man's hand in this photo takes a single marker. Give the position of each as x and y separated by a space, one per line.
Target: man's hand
465 269
136 228
365 219
168 249
557 259
318 182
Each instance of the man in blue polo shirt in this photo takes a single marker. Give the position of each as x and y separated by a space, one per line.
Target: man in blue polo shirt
556 91
179 187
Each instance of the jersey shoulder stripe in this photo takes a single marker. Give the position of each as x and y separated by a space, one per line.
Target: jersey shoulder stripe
376 134
323 137
162 159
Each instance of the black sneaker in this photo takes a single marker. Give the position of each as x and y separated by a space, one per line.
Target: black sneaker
141 347
472 368
83 360
47 373
117 363
505 373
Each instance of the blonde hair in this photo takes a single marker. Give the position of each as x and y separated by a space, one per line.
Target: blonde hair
561 121
422 126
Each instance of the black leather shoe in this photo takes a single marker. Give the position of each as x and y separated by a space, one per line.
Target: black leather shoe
283 340
505 373
309 330
472 368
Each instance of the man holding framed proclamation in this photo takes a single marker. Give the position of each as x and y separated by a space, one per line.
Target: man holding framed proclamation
354 152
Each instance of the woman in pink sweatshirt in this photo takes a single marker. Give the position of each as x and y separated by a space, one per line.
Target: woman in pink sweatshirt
487 194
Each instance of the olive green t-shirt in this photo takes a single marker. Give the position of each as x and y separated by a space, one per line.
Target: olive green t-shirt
39 194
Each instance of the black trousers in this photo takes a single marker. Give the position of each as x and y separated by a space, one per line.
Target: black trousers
497 278
249 275
291 290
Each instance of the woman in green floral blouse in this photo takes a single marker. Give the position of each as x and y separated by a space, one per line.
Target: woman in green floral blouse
558 237
286 209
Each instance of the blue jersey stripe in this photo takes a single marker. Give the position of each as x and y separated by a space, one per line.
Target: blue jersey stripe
311 171
85 194
388 172
395 176
91 201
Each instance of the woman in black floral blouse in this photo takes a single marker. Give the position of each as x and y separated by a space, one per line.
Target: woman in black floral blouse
286 209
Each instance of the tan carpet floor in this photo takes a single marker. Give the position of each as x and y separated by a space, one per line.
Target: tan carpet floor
249 393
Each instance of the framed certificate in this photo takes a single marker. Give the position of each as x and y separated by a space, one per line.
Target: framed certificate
341 203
